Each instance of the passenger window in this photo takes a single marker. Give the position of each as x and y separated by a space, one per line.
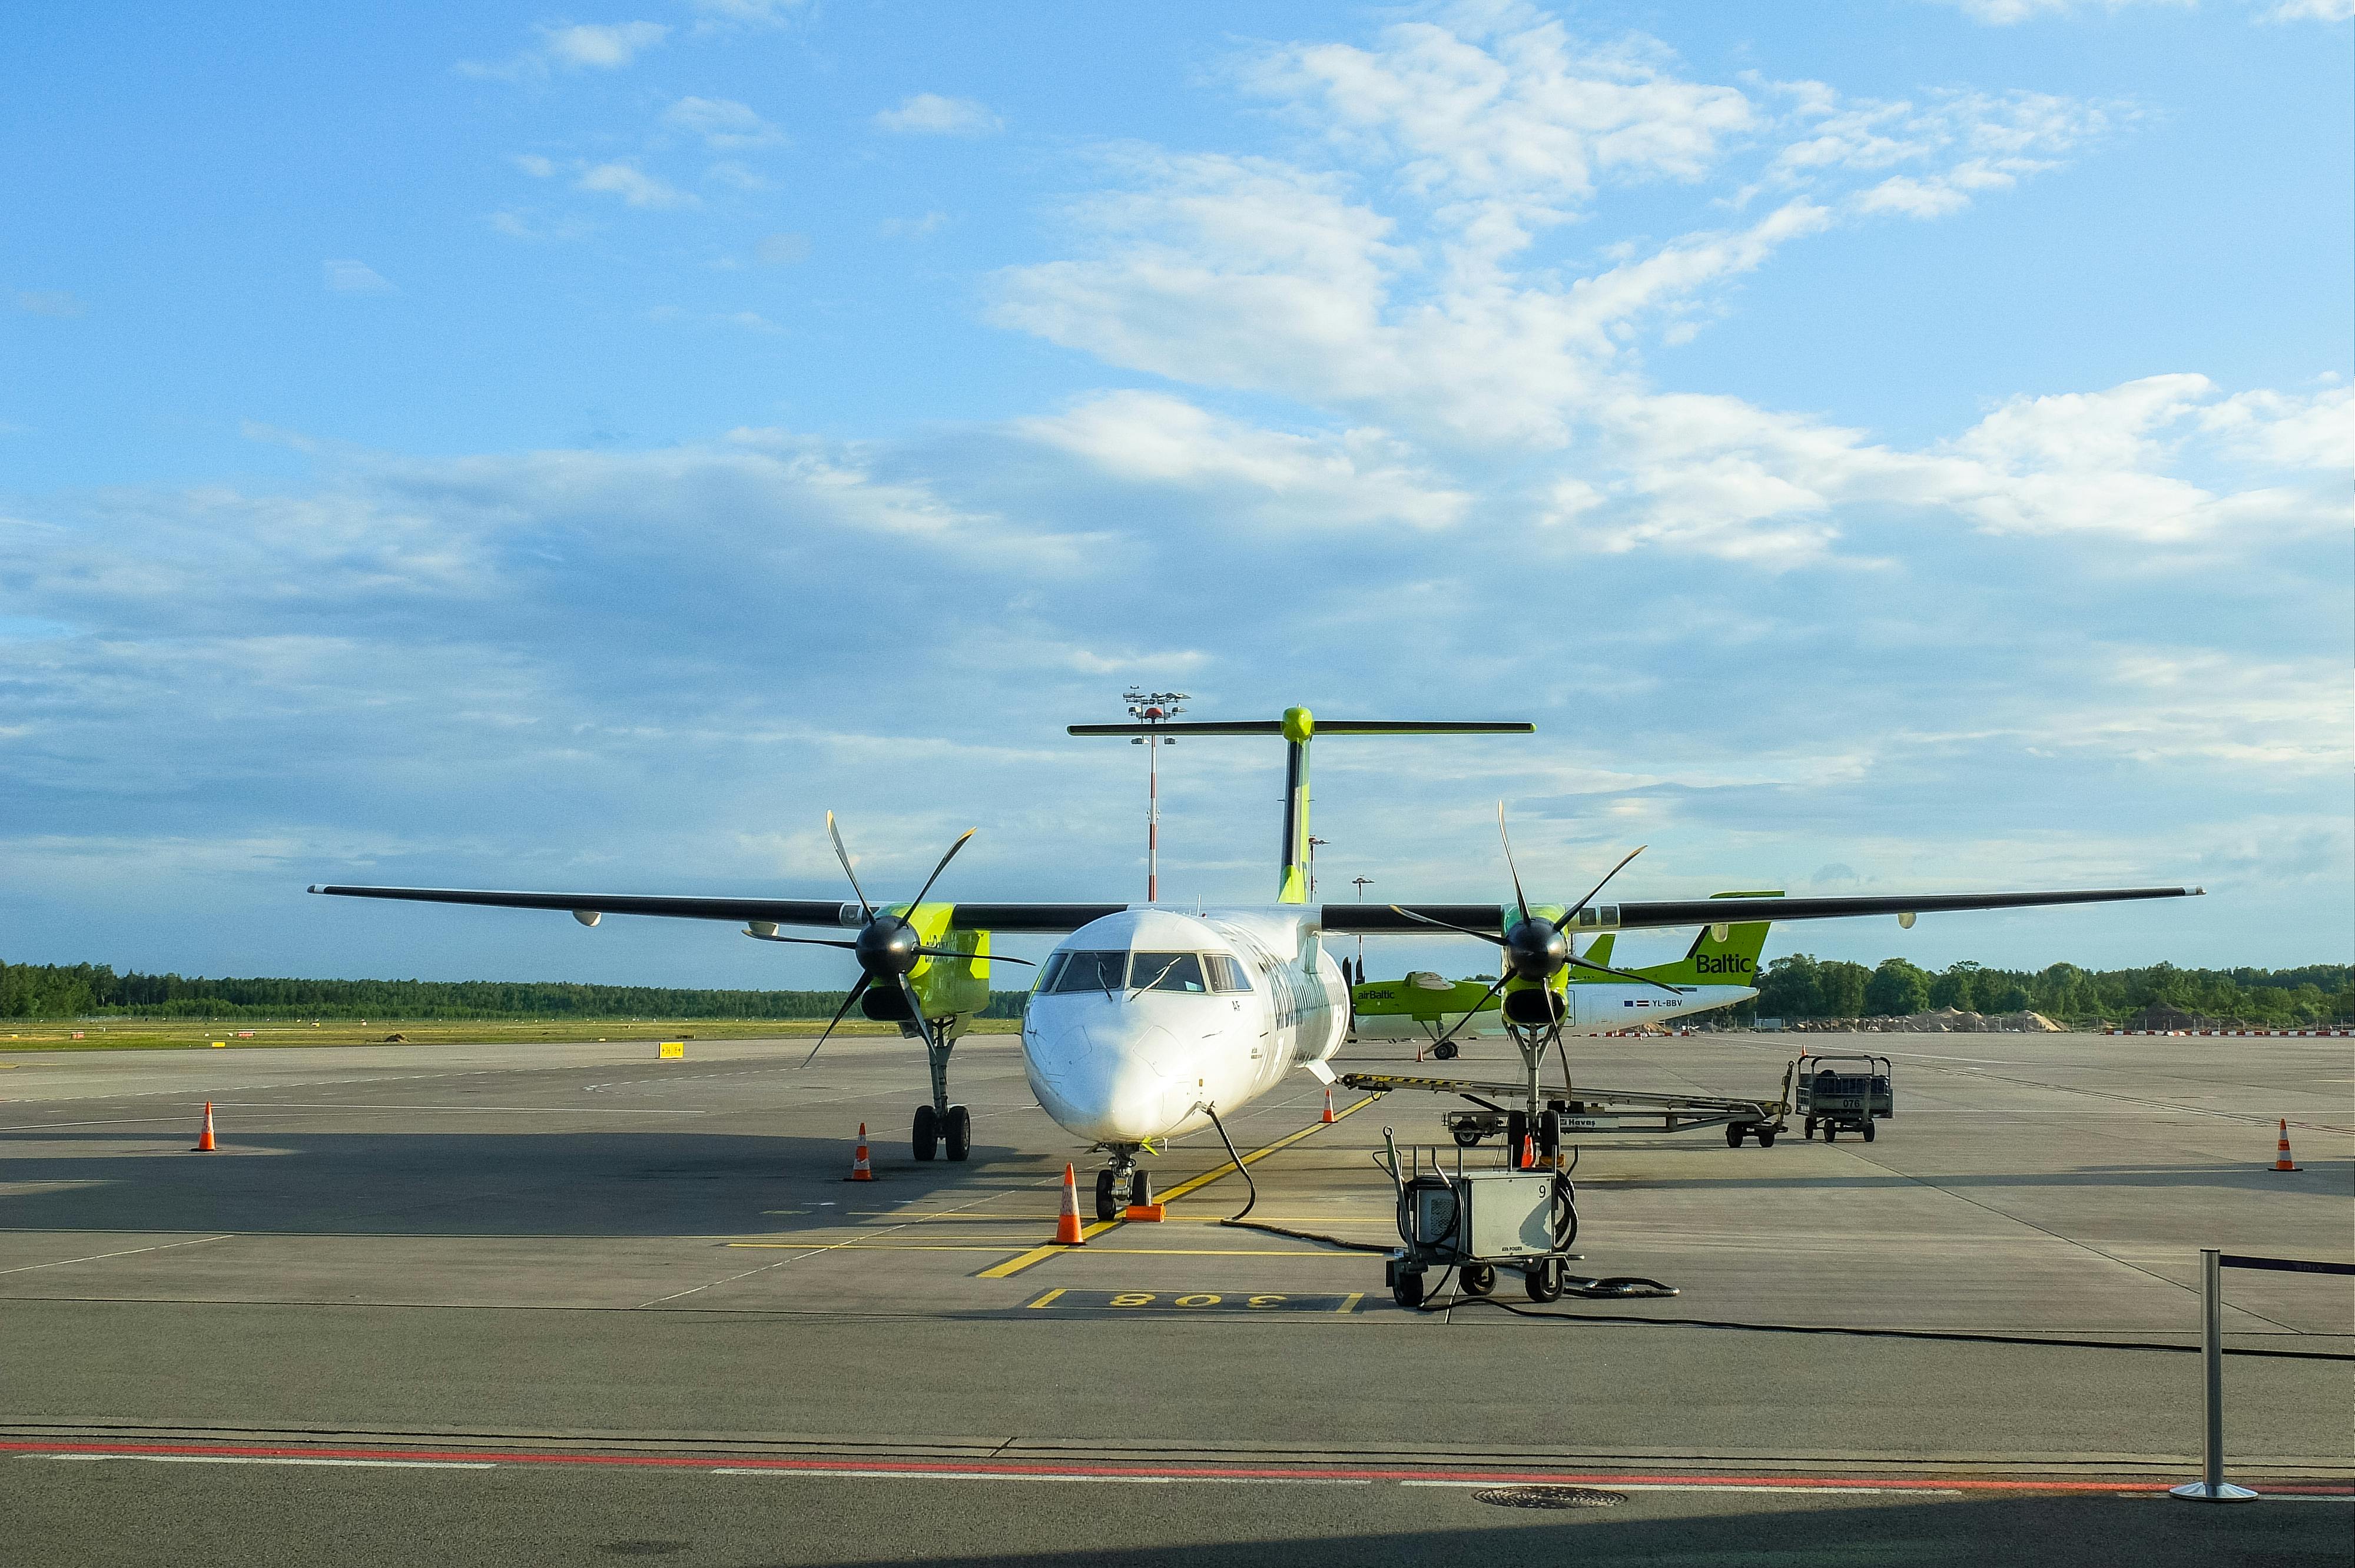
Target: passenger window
1167 971
1092 972
1227 973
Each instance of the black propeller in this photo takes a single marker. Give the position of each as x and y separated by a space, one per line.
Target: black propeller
1535 948
888 946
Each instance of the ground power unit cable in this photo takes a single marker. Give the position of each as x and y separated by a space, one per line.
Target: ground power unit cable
1957 1335
1237 1221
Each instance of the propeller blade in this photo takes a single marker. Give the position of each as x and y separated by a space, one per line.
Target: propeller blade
843 857
953 953
799 941
856 992
919 898
916 1009
1496 936
1626 975
1563 923
1475 1012
1519 896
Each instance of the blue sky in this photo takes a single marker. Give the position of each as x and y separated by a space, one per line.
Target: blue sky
1881 445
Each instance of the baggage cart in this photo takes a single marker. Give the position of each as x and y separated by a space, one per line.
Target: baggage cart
1842 1094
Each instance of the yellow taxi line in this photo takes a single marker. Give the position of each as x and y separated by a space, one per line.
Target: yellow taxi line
1036 1256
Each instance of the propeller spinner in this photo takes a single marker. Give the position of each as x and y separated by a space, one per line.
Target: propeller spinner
888 947
1536 950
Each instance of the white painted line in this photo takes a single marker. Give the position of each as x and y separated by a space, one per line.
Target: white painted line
275 1459
126 1252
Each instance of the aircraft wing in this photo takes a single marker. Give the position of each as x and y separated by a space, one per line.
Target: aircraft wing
829 912
1353 920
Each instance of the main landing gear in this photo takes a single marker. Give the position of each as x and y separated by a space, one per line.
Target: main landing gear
1123 1173
940 1122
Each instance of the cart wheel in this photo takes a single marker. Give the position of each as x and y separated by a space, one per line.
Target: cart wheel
1465 1136
1732 1136
1867 1132
1829 1132
1811 1126
1543 1280
1766 1138
1408 1291
1479 1278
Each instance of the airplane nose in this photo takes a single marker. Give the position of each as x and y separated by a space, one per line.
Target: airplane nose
1102 1078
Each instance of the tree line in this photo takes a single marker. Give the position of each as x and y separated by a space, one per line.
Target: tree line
1802 986
95 990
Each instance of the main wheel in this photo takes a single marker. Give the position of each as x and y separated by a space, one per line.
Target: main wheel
1408 1291
1479 1278
1516 1128
1732 1136
1543 1280
1867 1132
958 1132
1107 1204
1140 1188
928 1132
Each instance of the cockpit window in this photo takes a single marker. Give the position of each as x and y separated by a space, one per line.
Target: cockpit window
1226 974
1088 971
1055 962
1167 971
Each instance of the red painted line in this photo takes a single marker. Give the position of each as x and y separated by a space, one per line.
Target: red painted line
920 1467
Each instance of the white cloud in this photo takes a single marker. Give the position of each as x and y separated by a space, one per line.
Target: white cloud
930 114
534 164
608 45
601 47
2312 11
633 186
1358 477
2006 13
48 303
722 123
746 13
912 228
783 249
353 277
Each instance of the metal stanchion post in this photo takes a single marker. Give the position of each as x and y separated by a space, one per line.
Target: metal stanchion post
2212 1487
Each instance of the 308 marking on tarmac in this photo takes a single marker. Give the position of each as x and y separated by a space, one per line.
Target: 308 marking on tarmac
1336 1303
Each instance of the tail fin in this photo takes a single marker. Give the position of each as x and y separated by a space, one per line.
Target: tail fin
1719 955
1298 727
1599 950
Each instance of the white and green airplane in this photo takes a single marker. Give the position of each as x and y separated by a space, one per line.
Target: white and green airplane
1151 1021
1718 969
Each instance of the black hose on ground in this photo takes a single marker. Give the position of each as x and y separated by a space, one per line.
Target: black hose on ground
1237 1221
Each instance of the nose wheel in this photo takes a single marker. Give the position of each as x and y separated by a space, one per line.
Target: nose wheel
1122 1183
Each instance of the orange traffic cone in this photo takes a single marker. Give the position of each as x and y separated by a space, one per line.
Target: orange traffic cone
1329 1104
2281 1150
205 1144
1067 1224
858 1168
1529 1152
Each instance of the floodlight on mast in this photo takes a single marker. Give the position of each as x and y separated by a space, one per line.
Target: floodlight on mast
1153 708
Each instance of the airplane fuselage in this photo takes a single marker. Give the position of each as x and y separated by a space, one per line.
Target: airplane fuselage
1144 1021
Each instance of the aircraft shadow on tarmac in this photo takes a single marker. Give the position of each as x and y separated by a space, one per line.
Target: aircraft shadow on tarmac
2077 1532
489 1183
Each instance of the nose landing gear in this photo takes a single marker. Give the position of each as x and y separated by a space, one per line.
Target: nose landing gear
1123 1172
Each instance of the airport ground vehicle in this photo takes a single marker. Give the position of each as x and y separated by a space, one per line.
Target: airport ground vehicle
1477 1222
1842 1093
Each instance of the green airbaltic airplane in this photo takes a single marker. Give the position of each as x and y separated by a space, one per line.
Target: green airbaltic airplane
1718 969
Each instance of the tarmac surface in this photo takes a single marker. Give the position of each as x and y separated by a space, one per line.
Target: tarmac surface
569 1303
